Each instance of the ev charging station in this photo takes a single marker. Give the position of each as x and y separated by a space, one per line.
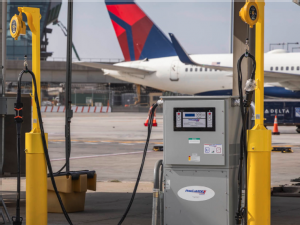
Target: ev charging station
201 159
202 147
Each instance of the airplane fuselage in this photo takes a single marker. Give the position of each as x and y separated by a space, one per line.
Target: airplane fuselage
172 75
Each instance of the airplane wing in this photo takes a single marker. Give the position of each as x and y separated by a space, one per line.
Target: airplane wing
185 58
124 69
287 80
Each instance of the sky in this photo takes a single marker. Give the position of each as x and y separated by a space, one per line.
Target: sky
201 27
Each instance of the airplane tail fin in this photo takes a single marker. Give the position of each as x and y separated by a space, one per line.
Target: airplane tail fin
138 36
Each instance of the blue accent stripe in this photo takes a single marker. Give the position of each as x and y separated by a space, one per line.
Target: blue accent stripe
128 29
213 93
281 92
278 92
120 2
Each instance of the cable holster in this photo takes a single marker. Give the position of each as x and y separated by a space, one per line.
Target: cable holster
248 99
18 112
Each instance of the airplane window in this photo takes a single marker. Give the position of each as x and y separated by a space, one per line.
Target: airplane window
276 68
282 68
287 68
200 69
191 69
196 69
210 69
205 69
298 67
186 70
271 68
292 68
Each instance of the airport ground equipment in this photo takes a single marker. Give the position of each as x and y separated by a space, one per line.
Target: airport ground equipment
259 138
35 141
287 112
201 160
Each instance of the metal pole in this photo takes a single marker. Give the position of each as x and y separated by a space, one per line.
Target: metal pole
92 96
156 191
231 25
69 112
291 43
109 94
4 28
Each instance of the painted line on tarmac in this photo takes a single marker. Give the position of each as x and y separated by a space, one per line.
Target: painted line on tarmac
96 156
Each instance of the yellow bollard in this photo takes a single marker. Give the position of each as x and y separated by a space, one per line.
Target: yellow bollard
36 171
36 179
259 177
259 142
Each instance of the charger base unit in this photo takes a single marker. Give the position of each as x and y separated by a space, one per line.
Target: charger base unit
201 159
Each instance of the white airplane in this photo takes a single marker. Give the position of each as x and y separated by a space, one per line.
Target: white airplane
152 60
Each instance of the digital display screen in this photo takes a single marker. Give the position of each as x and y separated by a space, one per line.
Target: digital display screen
194 119
190 115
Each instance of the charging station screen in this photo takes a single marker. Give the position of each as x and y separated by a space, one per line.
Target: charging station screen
194 119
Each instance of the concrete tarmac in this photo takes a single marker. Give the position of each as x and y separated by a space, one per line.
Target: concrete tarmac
112 145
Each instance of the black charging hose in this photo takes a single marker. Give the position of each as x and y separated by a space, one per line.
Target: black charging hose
17 220
18 107
151 116
244 107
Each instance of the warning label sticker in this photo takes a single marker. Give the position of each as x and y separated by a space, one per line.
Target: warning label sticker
194 140
213 149
194 158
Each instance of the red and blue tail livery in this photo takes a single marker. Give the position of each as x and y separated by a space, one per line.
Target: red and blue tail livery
138 36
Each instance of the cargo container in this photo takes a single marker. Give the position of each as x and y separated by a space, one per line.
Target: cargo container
287 111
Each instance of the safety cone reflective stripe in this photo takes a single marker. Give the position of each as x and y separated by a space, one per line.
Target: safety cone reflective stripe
275 128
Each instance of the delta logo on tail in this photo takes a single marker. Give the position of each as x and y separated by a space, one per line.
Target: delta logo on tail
138 36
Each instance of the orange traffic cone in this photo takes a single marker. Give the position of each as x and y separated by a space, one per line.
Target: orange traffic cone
275 128
154 124
146 122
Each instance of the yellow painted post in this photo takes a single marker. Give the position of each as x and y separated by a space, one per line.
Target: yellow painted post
259 142
33 20
36 180
36 171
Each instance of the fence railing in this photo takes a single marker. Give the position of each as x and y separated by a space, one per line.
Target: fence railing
63 59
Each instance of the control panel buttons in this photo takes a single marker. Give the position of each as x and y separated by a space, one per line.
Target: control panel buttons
178 119
209 119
